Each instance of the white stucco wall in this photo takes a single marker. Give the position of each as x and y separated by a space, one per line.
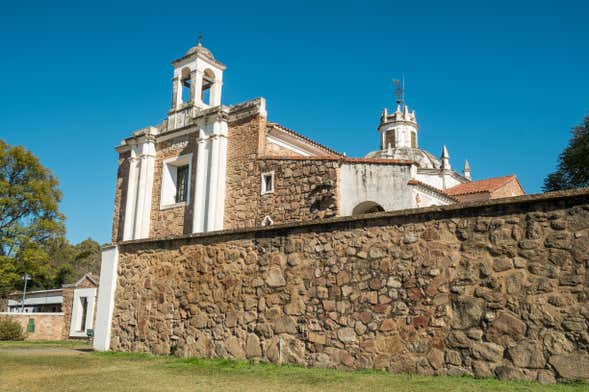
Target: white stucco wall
382 184
77 311
427 199
437 180
106 297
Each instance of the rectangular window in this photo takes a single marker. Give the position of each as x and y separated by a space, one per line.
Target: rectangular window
181 183
413 140
267 183
389 139
175 185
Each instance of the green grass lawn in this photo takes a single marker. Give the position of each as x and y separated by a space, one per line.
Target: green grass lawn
68 366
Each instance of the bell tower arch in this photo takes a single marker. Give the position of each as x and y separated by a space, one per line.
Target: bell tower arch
198 79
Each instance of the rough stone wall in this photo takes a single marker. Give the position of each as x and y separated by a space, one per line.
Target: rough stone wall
47 326
120 196
304 189
178 219
495 289
242 190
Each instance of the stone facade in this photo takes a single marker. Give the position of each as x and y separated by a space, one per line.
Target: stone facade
122 183
175 220
496 288
304 189
243 185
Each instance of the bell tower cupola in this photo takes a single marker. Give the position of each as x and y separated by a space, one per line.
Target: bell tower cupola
399 129
198 79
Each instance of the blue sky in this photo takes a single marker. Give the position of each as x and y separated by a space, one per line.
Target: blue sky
500 83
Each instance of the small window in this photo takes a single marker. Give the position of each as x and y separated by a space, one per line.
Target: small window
181 183
267 183
267 221
413 140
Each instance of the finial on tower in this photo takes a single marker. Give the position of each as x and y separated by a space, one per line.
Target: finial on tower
466 171
199 39
445 159
400 91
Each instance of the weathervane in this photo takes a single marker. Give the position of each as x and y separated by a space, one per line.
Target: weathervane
400 90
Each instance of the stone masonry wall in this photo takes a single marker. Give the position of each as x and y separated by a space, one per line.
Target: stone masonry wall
304 189
498 288
242 190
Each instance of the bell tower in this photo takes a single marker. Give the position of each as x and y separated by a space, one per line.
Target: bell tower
399 129
198 79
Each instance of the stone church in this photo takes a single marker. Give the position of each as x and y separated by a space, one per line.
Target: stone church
210 166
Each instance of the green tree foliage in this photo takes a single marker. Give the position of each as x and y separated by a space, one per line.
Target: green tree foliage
32 228
573 162
71 262
29 215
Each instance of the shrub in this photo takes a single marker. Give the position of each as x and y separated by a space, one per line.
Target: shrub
10 330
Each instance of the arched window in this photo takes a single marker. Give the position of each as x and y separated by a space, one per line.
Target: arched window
208 80
185 84
413 140
389 138
367 207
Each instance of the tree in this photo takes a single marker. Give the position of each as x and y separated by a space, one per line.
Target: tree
29 216
71 262
573 162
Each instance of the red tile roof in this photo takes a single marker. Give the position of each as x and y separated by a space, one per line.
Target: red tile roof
487 185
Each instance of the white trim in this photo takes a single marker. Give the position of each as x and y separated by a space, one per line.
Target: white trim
213 181
220 213
144 190
211 168
106 297
171 206
202 162
77 312
168 181
267 221
131 203
288 146
263 190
